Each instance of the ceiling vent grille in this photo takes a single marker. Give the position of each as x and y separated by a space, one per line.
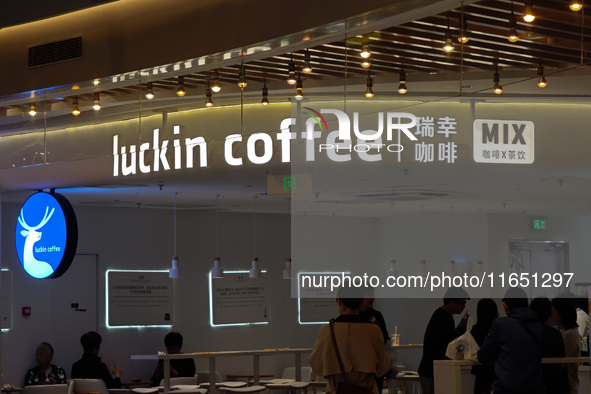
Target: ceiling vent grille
55 52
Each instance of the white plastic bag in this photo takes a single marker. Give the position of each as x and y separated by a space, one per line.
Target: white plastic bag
463 347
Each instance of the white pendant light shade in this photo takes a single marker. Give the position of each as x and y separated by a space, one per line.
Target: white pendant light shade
217 271
393 271
287 270
255 271
175 271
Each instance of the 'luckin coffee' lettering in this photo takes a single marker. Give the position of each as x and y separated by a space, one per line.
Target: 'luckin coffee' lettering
154 156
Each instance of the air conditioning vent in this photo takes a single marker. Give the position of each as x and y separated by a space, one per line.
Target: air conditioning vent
55 52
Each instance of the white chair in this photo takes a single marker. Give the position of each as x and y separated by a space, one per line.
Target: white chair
288 382
47 389
241 390
203 380
188 380
90 386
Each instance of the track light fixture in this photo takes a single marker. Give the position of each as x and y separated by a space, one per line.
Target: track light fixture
291 69
512 37
32 110
208 100
365 52
149 91
97 102
449 45
180 91
369 85
575 5
242 77
307 63
463 37
402 89
498 89
299 94
216 87
265 100
541 76
75 109
528 14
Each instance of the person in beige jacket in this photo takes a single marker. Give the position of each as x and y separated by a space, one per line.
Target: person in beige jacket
360 344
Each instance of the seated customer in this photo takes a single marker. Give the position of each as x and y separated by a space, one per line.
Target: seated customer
178 368
45 372
90 365
360 344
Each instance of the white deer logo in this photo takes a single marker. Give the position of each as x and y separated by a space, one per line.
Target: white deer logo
36 268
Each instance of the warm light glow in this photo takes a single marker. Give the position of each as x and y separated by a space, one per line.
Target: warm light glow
365 53
96 82
208 100
242 77
513 37
32 110
75 110
265 100
150 91
498 89
542 82
291 79
402 88
96 106
369 90
180 91
449 46
365 63
528 14
216 87
575 5
299 94
462 39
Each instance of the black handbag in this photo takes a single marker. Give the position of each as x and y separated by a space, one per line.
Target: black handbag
344 388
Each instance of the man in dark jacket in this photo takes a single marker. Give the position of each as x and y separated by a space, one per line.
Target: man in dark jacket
513 344
90 365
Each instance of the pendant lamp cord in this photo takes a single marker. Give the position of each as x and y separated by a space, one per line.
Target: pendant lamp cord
254 221
174 219
217 197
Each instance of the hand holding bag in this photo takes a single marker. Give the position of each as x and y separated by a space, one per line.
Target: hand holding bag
463 347
344 388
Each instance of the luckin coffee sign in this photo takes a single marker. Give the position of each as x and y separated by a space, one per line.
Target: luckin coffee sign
46 235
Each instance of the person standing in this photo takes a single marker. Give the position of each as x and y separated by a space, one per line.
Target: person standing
440 331
360 345
90 365
513 344
486 313
367 311
45 372
564 314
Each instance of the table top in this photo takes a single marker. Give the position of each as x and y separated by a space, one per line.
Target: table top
234 353
551 360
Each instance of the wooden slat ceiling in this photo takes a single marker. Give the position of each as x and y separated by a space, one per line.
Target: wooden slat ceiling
558 39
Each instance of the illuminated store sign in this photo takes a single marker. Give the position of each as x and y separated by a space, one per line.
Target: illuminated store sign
494 142
46 235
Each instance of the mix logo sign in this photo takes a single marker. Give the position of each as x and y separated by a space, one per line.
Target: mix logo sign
504 141
46 235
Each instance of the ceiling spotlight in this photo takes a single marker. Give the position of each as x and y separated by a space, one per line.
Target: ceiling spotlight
265 100
180 91
291 79
449 45
150 91
365 63
242 77
463 37
97 105
498 89
307 63
512 37
208 100
541 76
299 94
32 110
75 109
575 5
216 87
402 89
528 14
369 85
365 53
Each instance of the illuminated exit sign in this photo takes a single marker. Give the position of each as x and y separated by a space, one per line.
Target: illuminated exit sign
538 223
289 184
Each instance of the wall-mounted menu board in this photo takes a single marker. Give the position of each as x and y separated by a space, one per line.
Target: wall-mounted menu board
237 299
139 298
316 305
6 299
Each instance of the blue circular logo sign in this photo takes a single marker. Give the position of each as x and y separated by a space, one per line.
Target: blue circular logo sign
46 235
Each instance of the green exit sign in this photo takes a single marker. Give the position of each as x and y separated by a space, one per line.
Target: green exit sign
539 224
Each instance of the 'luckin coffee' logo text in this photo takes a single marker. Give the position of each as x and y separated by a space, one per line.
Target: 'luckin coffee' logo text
338 145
